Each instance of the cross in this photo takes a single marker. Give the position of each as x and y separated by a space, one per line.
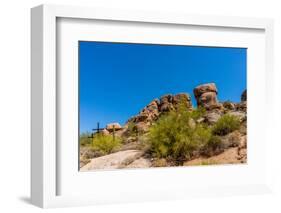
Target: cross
98 128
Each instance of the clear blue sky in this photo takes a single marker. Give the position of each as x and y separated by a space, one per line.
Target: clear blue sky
117 79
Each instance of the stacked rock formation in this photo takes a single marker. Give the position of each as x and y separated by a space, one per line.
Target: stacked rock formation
206 96
153 110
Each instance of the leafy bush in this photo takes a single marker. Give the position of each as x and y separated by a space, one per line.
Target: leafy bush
212 146
84 139
226 124
105 144
198 113
173 135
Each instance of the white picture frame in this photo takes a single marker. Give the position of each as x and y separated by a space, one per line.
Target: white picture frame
45 155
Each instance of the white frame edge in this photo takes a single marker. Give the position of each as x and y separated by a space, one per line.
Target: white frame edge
43 86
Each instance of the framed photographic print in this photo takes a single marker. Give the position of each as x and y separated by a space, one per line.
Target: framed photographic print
129 106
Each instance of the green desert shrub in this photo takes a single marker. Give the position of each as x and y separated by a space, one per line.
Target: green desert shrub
198 113
105 144
84 139
226 124
173 135
212 146
214 142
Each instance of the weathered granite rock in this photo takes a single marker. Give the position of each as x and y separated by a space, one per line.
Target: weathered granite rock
182 98
206 96
229 105
232 139
113 161
111 126
105 132
242 106
140 163
152 111
166 103
240 115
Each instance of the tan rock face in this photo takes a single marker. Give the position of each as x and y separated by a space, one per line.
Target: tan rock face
206 95
229 105
105 132
113 161
111 126
152 111
166 103
182 98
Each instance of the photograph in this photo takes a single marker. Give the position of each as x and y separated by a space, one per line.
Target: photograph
145 105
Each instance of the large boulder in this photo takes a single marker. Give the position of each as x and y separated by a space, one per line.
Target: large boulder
152 111
228 105
182 98
206 96
115 160
148 114
171 102
166 103
113 126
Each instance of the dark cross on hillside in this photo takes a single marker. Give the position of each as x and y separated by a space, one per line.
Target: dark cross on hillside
98 129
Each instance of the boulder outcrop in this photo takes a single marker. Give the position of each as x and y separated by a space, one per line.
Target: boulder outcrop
206 96
113 126
154 109
134 153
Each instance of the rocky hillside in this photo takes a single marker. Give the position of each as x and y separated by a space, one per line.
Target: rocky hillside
170 132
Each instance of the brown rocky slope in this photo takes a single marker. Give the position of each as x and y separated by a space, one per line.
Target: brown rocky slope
132 154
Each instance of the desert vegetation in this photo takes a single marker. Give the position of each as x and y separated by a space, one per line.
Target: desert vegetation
171 132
